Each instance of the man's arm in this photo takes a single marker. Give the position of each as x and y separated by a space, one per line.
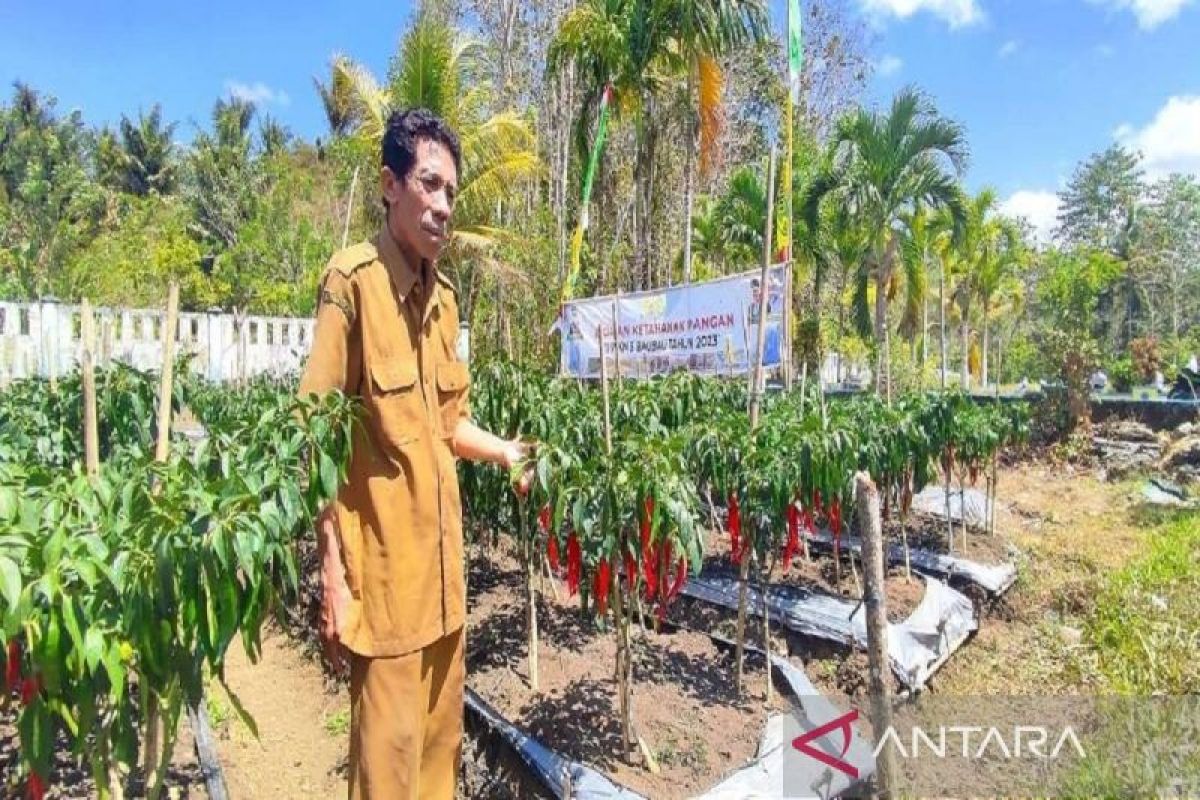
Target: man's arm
334 363
475 444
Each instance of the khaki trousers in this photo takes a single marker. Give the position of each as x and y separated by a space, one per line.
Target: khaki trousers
406 723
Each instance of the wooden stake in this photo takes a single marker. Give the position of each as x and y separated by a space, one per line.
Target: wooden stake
604 393
162 445
349 208
616 344
875 600
764 295
756 388
91 436
162 449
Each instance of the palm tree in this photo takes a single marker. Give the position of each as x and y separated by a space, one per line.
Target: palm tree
742 216
1003 254
880 167
338 101
636 47
499 151
968 261
273 135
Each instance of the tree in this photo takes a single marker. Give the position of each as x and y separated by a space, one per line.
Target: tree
1100 202
337 99
49 205
223 182
142 160
880 166
636 47
1166 257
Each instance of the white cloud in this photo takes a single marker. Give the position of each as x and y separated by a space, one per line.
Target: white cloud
1105 50
1009 47
1171 141
1150 13
889 65
1038 208
258 93
956 13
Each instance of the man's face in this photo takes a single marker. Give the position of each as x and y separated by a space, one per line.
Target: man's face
420 205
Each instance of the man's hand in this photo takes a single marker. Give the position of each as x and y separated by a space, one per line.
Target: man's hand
517 459
335 592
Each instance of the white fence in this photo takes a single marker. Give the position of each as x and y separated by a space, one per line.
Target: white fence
44 339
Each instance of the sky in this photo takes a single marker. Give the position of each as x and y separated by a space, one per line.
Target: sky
1038 84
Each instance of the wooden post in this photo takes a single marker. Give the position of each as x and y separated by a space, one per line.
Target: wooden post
163 443
620 617
91 436
756 389
530 598
349 208
162 449
875 602
764 295
616 343
604 393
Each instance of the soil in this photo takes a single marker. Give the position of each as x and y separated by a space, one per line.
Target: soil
684 700
71 780
820 572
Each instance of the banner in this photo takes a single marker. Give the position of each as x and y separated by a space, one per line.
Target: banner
706 328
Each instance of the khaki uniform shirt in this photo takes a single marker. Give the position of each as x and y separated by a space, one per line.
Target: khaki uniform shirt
386 332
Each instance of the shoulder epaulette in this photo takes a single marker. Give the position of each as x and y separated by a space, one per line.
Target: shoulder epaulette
444 280
350 259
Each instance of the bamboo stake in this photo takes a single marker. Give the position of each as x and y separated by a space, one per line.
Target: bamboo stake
162 449
875 600
530 596
755 403
162 445
349 208
91 436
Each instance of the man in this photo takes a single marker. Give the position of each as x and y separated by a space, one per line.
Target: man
391 546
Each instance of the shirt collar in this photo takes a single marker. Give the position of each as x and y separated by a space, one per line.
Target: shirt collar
403 274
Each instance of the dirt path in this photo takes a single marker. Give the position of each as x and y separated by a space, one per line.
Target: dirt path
302 741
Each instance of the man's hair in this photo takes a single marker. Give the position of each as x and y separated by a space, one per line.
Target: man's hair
405 128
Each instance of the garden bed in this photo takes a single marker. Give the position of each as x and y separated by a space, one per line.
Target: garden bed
684 701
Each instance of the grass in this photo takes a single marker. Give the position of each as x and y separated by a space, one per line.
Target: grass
1146 626
1143 642
338 723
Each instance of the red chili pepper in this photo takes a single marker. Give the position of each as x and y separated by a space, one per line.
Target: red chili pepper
574 564
650 570
793 538
817 509
12 668
30 689
680 578
809 523
600 584
631 572
552 554
36 786
835 515
664 570
544 518
735 529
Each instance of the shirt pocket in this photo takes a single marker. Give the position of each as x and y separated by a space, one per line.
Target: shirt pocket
400 412
452 380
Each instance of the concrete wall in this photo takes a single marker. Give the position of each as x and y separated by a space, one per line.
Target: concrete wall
43 339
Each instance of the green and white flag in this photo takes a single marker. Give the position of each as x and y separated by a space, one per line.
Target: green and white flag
795 48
